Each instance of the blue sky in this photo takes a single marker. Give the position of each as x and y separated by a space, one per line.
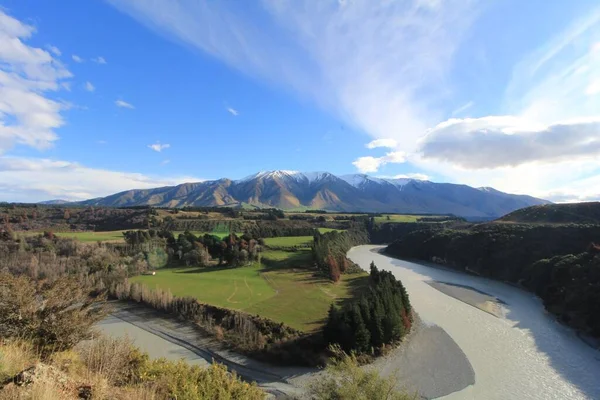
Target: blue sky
103 96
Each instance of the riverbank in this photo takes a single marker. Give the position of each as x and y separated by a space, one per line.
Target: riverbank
483 301
428 361
162 336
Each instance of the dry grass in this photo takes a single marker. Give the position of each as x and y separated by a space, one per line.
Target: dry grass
115 359
113 369
15 356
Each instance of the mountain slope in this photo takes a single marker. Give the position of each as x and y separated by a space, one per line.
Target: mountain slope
576 213
323 190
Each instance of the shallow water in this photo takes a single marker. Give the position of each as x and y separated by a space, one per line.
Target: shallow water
525 355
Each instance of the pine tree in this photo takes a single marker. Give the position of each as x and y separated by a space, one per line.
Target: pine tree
376 326
362 337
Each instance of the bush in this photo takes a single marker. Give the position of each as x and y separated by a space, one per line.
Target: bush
191 382
54 317
344 379
116 359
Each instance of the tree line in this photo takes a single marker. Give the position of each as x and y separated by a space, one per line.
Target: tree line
381 316
557 262
329 250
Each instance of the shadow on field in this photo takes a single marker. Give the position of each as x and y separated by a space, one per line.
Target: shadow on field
296 259
200 270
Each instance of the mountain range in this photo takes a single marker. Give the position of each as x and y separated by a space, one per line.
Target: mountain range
323 190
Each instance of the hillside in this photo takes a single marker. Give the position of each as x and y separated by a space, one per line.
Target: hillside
322 190
577 213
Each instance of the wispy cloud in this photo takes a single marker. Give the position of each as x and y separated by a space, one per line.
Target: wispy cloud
158 146
89 87
391 143
54 50
99 60
33 179
379 65
101 141
372 164
463 108
165 162
233 111
27 74
124 104
552 83
76 58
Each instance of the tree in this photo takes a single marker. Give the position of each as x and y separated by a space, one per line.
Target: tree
362 337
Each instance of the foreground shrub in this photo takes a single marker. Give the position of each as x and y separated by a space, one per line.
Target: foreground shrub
53 317
191 382
114 358
107 368
345 379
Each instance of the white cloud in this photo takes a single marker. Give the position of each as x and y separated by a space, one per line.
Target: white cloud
233 111
391 143
463 108
380 65
124 104
89 87
158 146
165 162
372 164
76 58
55 50
27 116
493 142
36 179
99 60
415 175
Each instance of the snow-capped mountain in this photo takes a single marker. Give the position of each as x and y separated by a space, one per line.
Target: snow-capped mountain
323 190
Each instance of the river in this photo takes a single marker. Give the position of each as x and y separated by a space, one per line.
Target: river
525 354
521 353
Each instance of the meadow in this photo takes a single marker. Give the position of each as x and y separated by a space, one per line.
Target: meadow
85 236
280 287
400 218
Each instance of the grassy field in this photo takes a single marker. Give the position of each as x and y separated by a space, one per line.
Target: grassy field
109 236
280 288
400 218
325 230
302 300
288 241
236 288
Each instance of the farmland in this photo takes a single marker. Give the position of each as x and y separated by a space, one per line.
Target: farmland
280 288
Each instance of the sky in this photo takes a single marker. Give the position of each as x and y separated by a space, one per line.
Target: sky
98 97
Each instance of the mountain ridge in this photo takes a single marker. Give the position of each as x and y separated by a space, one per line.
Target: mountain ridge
287 189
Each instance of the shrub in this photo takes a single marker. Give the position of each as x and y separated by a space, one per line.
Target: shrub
55 316
344 379
191 382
